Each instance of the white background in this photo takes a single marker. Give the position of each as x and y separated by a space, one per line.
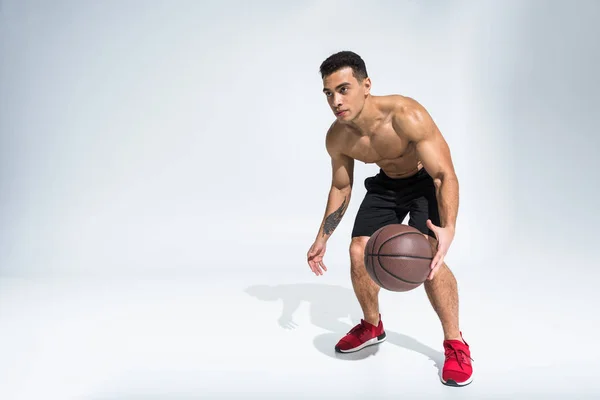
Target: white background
183 141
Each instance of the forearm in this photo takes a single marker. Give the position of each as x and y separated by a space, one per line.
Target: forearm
447 197
337 204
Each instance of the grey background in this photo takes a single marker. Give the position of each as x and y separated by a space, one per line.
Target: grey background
134 133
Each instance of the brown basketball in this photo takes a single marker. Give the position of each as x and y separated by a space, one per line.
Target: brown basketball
398 257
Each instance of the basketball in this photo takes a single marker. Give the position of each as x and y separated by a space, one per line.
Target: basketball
398 257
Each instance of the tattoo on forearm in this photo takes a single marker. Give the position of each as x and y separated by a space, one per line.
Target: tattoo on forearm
333 220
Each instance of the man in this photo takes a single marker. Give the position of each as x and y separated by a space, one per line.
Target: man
416 177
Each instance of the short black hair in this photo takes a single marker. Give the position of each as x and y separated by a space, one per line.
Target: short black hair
343 59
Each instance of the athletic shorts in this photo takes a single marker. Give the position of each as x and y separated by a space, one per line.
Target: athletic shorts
389 200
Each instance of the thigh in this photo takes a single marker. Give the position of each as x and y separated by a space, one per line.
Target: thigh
377 209
424 206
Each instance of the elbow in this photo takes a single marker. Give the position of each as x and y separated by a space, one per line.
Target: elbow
345 188
445 178
450 177
343 185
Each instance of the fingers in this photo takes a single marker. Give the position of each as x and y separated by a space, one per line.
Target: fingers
438 260
439 255
317 266
323 266
431 226
313 266
315 261
440 246
311 263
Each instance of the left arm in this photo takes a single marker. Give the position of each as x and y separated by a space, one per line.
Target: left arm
416 125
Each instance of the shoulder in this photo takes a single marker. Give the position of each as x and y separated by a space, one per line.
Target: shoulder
411 120
334 139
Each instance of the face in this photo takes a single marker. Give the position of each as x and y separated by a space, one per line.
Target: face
345 95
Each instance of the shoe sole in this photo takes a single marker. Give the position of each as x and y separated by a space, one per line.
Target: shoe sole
453 383
370 342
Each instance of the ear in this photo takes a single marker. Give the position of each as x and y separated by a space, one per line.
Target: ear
367 85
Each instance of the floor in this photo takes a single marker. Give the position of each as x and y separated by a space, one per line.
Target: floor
268 333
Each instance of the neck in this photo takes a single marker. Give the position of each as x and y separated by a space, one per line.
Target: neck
364 121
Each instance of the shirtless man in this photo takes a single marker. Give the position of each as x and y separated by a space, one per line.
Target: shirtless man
416 177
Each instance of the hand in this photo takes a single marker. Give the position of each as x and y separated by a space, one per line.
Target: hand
315 257
444 239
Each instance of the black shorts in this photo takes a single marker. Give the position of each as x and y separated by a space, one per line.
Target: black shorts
390 200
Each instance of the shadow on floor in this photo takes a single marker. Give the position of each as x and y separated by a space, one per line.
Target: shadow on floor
329 306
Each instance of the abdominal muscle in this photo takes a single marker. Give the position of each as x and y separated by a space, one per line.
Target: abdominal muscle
399 169
402 165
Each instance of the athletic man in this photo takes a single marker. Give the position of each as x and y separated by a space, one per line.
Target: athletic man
416 178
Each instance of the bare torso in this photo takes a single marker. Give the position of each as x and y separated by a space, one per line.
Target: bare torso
381 144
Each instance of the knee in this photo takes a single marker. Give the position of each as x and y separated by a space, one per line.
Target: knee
357 250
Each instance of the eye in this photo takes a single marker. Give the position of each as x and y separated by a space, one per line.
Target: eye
344 90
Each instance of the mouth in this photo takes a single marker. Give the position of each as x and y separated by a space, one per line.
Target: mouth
339 113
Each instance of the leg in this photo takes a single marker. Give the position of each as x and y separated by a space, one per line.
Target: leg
370 329
376 210
442 292
367 292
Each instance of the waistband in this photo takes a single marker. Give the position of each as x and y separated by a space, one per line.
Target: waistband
419 174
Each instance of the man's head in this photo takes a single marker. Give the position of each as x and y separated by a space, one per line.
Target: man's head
345 83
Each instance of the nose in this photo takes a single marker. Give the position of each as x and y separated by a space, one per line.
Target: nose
336 101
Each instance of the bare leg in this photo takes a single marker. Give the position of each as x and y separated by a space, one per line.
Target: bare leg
442 292
367 292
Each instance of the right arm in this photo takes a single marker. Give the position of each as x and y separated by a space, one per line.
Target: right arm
342 169
339 194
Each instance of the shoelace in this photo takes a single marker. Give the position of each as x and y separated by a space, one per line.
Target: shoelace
459 355
359 330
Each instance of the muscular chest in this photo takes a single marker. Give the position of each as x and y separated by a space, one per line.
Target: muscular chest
380 146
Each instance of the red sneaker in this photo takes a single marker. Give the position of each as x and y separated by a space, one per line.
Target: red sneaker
361 336
458 370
